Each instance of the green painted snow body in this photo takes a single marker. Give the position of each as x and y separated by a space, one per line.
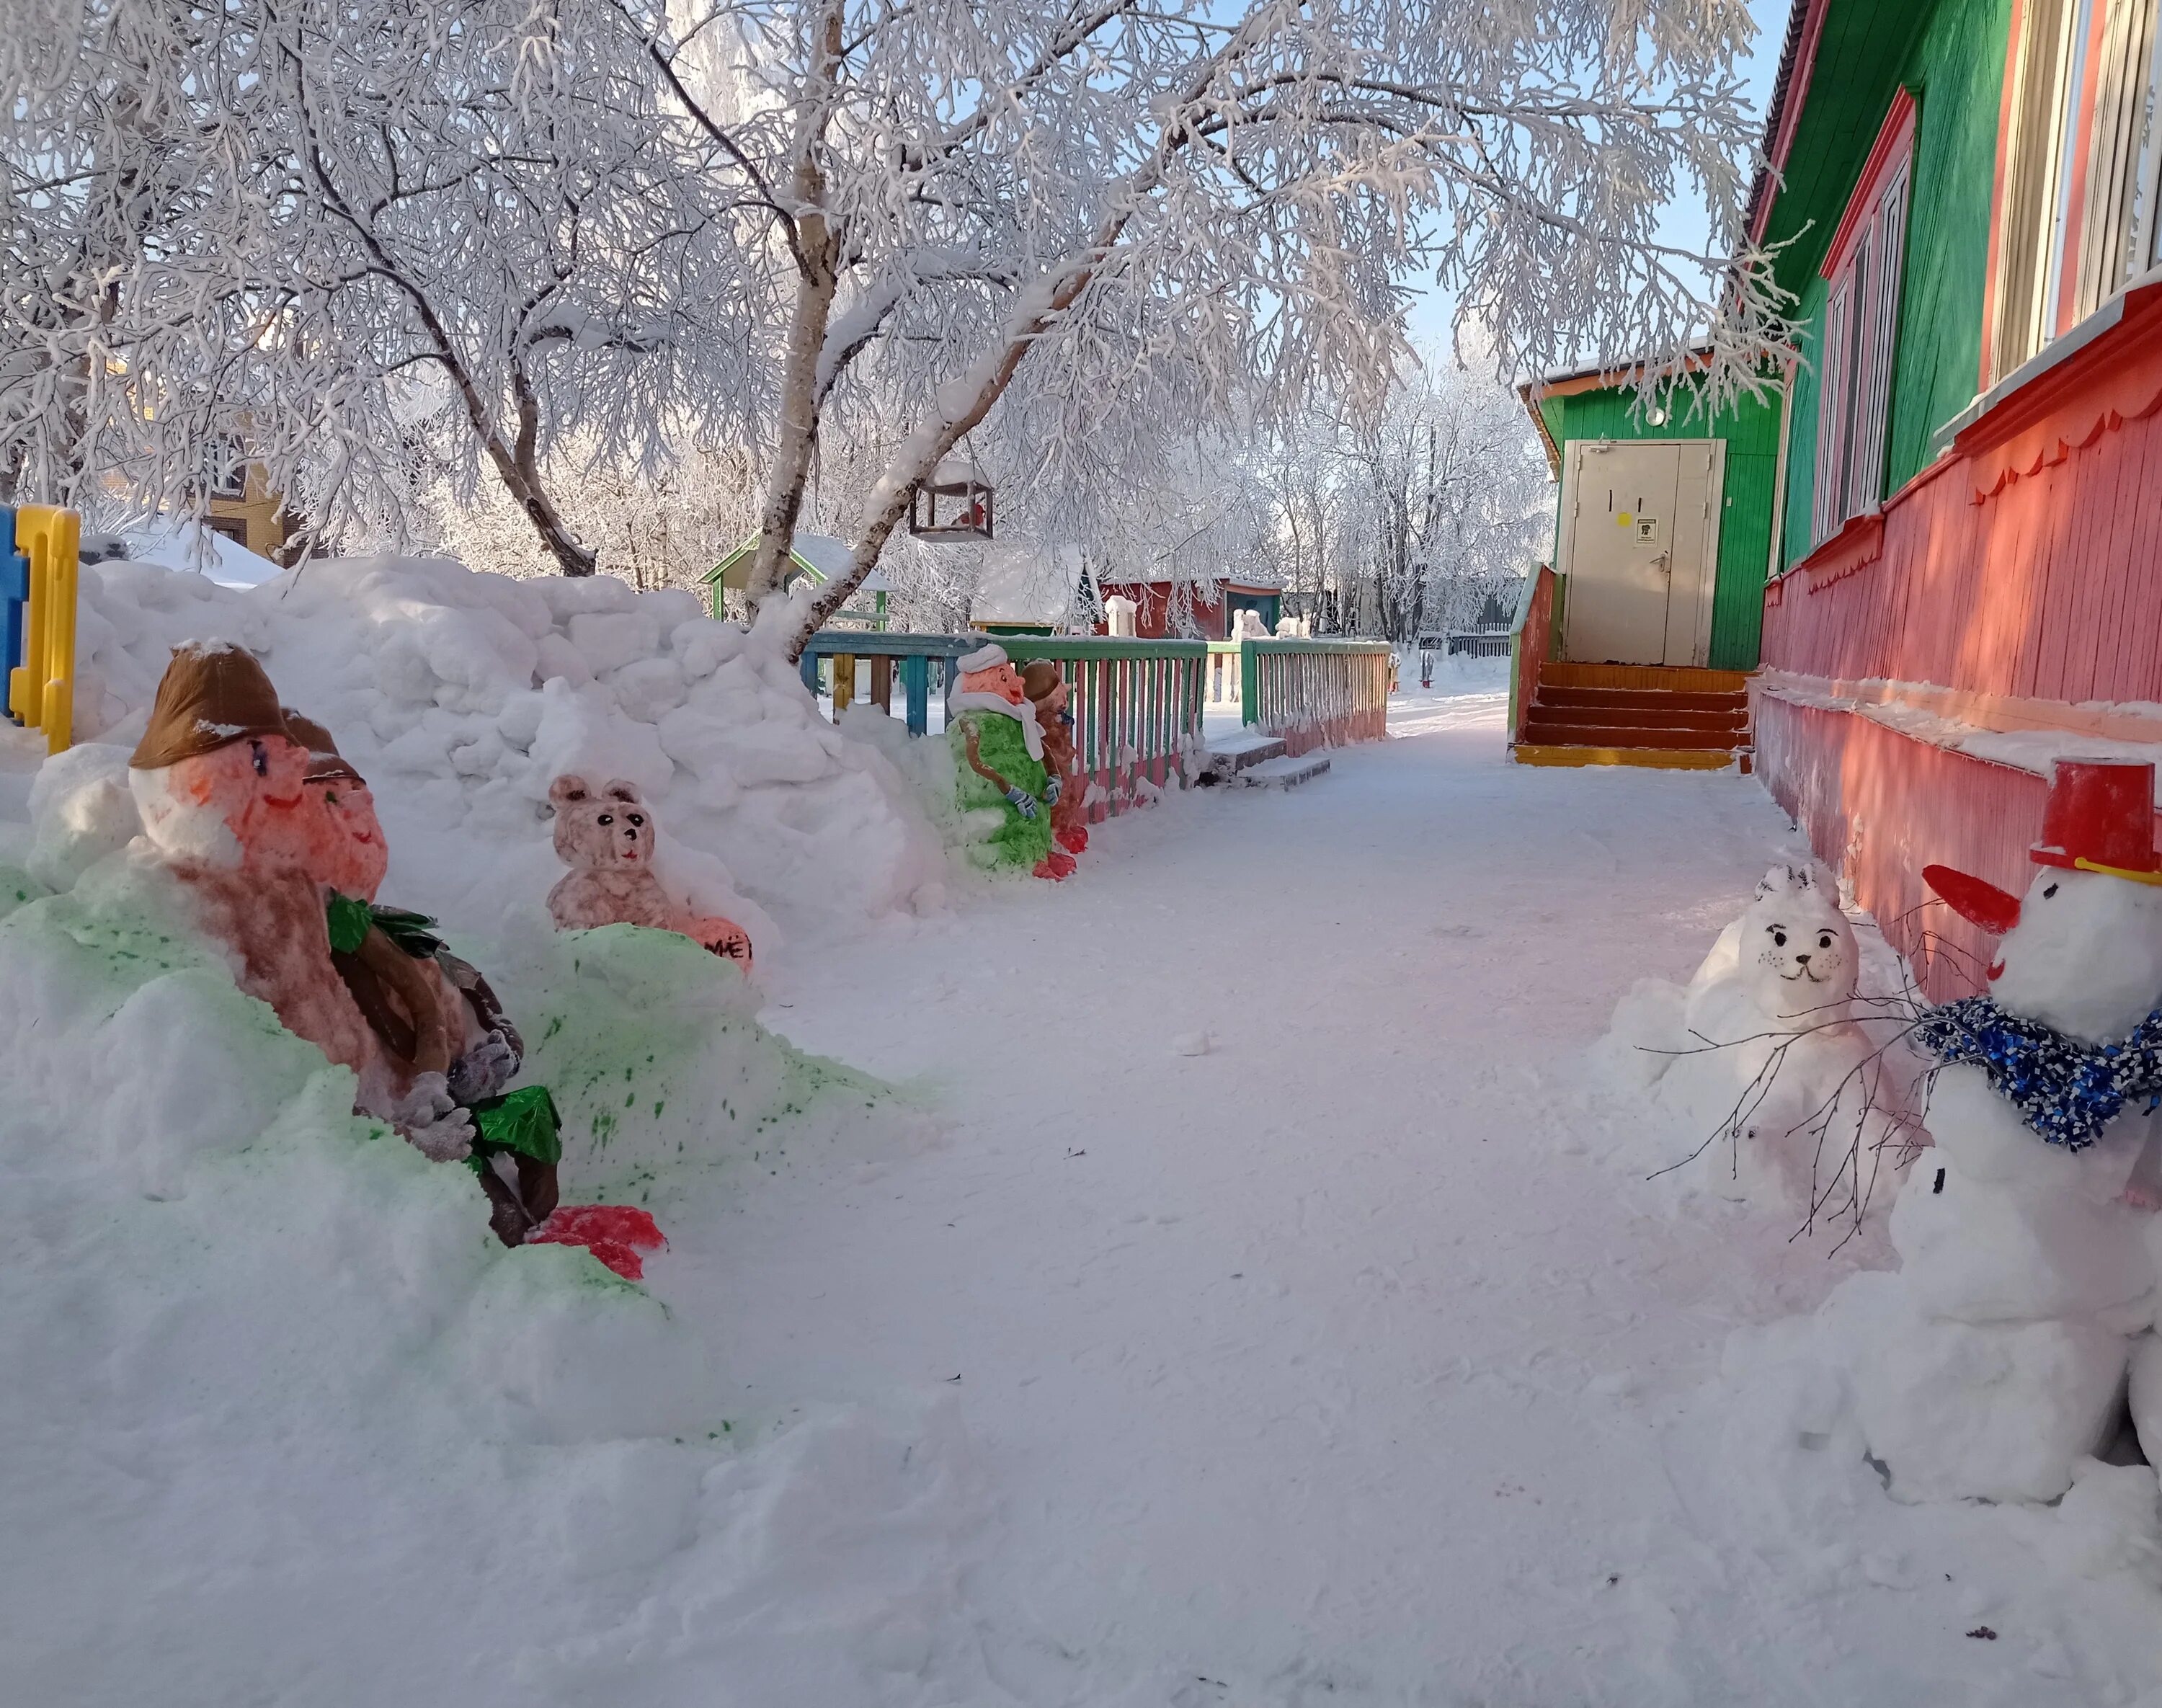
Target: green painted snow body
664 1078
1017 841
18 888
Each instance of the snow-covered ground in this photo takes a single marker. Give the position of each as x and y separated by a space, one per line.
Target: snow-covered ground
1232 1309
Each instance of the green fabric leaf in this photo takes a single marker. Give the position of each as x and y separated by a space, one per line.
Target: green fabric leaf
349 920
524 1120
413 933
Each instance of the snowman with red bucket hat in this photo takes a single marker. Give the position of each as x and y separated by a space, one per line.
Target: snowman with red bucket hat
1993 1363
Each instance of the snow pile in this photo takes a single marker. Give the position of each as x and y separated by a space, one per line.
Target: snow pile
460 695
275 1388
1770 1078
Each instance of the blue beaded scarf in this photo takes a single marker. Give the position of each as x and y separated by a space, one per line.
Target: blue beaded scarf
2066 1090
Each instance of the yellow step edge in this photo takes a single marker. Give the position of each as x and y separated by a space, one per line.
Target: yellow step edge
1663 758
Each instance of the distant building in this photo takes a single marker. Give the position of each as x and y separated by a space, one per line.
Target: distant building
818 558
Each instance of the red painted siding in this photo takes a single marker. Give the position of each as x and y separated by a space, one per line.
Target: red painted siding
2028 563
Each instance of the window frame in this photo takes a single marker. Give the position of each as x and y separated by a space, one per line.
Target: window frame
1864 269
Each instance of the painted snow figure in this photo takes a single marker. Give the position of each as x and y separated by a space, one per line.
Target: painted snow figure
1765 1057
1064 787
2024 1272
1002 781
606 837
219 783
355 854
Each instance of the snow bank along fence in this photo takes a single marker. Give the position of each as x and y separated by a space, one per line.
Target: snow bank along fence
1316 693
39 565
1531 644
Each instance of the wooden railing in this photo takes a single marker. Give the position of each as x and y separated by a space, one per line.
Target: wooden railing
841 649
1137 704
1136 708
1531 644
1226 676
1316 693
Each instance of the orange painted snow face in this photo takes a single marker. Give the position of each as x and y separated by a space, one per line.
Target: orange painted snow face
354 855
254 786
1000 679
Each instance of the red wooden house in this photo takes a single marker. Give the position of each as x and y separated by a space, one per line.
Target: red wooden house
1967 578
1184 610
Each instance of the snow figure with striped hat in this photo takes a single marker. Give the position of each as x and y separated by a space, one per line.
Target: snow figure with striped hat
998 760
1992 1364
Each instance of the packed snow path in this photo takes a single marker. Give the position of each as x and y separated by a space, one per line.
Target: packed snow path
1321 1365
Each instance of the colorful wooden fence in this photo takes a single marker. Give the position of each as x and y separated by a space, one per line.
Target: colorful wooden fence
1226 676
39 565
841 650
1316 693
1136 708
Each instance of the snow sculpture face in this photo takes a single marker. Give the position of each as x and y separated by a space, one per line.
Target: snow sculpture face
354 855
2085 957
1797 955
603 830
1002 679
242 804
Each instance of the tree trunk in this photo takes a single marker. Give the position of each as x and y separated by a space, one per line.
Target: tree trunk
818 256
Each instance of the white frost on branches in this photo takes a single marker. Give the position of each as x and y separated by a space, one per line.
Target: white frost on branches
381 247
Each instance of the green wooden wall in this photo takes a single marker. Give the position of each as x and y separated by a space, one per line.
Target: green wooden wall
1751 428
1951 56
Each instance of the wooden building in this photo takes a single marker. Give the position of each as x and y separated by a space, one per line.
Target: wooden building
1169 610
1969 577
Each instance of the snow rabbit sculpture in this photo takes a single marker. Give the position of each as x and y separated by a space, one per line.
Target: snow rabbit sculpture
606 837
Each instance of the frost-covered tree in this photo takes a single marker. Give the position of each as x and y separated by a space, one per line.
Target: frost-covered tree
368 245
1109 219
1450 499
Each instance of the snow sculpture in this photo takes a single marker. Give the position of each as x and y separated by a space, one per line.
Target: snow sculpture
218 781
1064 786
1002 784
1120 613
1249 626
2024 1272
1761 1056
606 838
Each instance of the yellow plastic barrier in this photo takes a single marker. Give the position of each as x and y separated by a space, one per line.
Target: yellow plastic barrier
41 689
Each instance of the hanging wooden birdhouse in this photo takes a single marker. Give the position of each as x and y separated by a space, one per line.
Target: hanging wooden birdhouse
955 504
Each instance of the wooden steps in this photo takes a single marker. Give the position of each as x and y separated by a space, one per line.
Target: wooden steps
1232 755
1286 772
1606 714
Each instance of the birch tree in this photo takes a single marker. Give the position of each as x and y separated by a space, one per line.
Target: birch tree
1106 218
367 245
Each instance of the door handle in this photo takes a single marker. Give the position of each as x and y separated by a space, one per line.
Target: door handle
1664 563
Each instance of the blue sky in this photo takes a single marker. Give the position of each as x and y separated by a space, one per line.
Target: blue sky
1686 222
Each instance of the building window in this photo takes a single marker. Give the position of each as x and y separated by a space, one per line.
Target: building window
2075 210
1860 323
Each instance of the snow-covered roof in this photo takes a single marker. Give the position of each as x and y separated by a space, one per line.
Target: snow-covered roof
825 558
188 546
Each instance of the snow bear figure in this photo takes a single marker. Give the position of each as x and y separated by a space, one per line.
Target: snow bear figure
606 837
1771 1068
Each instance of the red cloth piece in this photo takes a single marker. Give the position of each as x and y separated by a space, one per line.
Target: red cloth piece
614 1233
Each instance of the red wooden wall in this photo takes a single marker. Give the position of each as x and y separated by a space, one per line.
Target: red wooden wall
2028 563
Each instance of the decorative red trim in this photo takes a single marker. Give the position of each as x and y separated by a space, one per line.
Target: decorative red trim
1859 543
2096 390
1790 114
1895 138
1997 192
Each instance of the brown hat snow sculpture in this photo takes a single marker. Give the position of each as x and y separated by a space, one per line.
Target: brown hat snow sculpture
220 782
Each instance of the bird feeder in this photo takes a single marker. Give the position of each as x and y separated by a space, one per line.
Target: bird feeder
955 504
